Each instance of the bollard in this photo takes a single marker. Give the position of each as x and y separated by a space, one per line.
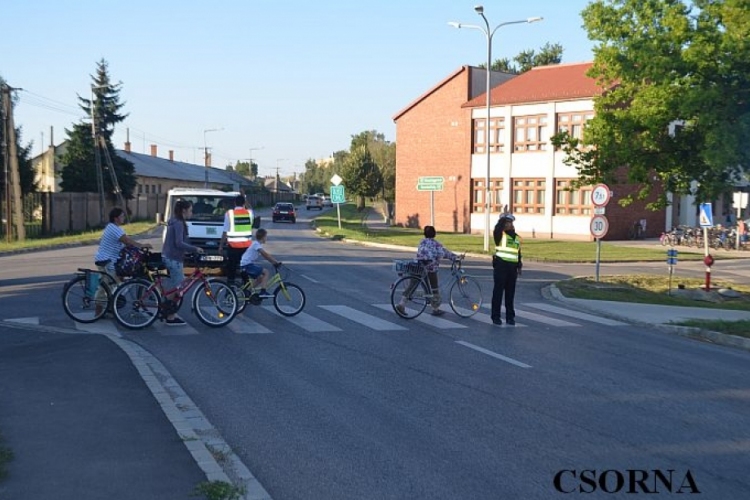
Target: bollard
708 261
158 217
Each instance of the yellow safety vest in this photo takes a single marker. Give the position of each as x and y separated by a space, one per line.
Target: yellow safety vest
509 248
240 228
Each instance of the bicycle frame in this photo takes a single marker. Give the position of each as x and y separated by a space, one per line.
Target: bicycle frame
276 279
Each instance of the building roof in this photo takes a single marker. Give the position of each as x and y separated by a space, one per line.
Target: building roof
557 82
153 166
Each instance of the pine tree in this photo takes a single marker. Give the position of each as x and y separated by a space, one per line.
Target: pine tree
79 161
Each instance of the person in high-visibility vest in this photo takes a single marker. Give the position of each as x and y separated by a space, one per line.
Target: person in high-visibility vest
506 265
237 235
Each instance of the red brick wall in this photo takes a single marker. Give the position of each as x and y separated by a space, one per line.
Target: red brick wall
433 138
621 219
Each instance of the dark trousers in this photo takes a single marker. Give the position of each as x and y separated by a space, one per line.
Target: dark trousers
234 255
505 275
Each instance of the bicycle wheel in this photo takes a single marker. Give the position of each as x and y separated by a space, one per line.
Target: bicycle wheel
288 299
414 290
241 296
215 303
466 296
81 306
136 304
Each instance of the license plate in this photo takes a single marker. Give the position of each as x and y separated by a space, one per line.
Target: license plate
211 231
284 213
212 258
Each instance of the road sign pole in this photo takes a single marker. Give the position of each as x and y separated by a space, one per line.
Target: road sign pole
598 256
338 212
432 208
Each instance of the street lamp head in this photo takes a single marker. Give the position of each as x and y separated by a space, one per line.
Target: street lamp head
479 9
454 24
534 19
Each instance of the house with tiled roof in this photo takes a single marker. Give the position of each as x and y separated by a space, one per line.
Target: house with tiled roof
442 134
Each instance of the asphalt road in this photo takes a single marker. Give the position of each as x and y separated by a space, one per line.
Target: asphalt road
349 401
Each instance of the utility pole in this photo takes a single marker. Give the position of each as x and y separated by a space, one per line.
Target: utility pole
97 159
6 162
11 155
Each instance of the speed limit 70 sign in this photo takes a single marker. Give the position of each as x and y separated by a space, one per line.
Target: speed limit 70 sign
599 226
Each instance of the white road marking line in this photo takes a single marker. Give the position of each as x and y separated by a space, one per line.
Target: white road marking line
105 326
363 318
244 325
309 278
24 321
174 331
575 314
493 354
305 321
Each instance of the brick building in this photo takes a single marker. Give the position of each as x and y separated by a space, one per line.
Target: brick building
442 133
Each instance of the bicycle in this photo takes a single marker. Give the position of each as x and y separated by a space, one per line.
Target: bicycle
138 302
464 291
288 298
87 297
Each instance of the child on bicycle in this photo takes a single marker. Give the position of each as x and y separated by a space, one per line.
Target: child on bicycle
431 250
249 262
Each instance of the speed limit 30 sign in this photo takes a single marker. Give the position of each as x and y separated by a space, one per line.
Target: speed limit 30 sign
599 226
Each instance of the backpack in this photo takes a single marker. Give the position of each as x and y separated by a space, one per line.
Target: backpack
130 262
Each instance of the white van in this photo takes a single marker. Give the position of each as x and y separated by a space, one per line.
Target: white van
207 223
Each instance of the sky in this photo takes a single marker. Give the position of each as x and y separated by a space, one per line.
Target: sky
278 82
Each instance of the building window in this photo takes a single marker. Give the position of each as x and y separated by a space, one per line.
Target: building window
140 188
528 196
530 133
478 192
569 201
497 132
573 123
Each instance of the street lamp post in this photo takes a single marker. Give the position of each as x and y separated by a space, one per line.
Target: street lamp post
205 152
488 33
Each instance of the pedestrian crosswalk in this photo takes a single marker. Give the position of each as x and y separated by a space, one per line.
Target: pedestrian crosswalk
340 318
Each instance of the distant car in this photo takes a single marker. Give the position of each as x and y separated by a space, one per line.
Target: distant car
284 211
327 201
314 202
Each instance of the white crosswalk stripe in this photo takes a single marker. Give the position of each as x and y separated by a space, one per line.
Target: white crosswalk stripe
244 325
106 326
427 318
574 314
363 319
305 321
540 318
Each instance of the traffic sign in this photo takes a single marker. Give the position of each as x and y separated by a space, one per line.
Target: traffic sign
600 195
599 210
337 194
336 180
431 180
706 217
429 187
599 226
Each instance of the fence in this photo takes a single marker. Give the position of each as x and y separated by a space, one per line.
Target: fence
50 214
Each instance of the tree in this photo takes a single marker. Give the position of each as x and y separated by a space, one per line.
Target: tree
361 175
25 170
384 155
676 107
527 59
79 161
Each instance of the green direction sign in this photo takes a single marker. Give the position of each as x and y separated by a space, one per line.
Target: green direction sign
337 194
429 187
431 180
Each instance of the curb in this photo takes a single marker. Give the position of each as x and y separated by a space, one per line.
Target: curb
551 292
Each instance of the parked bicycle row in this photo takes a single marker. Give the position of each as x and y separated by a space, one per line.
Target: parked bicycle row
718 237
